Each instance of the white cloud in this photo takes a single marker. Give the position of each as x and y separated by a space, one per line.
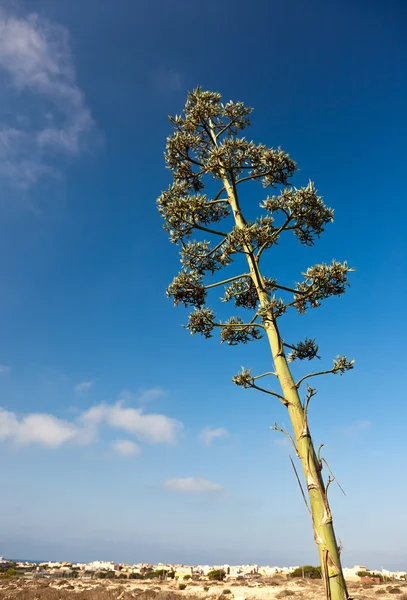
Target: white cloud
5 369
83 386
43 109
209 434
152 428
353 429
192 485
51 432
45 430
126 448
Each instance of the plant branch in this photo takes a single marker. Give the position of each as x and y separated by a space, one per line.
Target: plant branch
300 484
239 325
275 234
311 392
264 375
212 285
219 193
190 159
277 428
299 382
333 477
281 398
225 128
203 228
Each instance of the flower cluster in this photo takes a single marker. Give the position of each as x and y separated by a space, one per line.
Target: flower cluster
186 288
306 212
183 211
321 282
243 292
201 320
200 257
235 331
307 349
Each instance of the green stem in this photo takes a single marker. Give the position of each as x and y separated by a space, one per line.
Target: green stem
324 535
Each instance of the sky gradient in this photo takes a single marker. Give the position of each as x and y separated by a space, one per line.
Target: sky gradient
121 436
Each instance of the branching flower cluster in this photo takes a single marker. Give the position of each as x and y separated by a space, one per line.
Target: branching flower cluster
244 378
186 288
200 257
235 331
304 210
205 141
306 350
257 234
183 211
201 320
272 310
342 364
243 292
321 282
246 159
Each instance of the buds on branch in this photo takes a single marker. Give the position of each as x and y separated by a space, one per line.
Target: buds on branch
201 320
186 288
321 281
305 210
244 292
244 378
183 211
235 331
341 365
273 309
307 349
250 161
257 234
199 257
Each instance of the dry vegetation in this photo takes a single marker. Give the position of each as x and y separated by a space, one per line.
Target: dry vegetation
269 588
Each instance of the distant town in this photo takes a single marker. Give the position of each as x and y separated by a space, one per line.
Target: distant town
109 569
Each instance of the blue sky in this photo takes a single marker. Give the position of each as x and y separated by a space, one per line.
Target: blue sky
121 436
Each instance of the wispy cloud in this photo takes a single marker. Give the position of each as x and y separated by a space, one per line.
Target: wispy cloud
50 431
83 386
151 394
354 429
44 112
126 448
209 434
192 485
5 369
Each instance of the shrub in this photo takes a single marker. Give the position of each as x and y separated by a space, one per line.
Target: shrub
9 573
370 574
394 590
206 589
307 571
382 591
182 586
187 577
217 575
225 592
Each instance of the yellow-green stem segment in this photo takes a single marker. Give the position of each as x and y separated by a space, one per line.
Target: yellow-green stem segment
324 535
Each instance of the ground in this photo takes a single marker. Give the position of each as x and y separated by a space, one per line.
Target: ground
269 588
